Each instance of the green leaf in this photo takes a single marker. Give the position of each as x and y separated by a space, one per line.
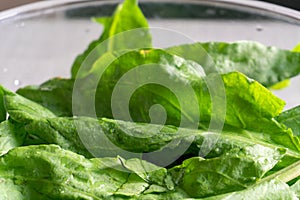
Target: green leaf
150 173
243 109
139 137
297 48
24 110
267 65
271 190
291 118
230 139
236 170
127 136
271 187
11 135
281 85
62 131
70 133
87 136
44 125
287 82
151 92
2 108
296 188
250 158
287 174
48 172
55 94
249 101
177 194
127 16
35 172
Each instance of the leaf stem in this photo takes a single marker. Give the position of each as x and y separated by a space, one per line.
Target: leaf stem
287 174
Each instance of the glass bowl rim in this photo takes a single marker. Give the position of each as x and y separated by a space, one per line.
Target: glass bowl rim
44 5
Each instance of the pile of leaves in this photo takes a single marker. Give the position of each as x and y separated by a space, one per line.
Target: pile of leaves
256 154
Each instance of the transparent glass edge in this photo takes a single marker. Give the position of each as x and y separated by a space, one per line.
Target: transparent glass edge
43 5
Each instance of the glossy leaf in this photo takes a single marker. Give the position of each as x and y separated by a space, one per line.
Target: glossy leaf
2 108
267 65
296 188
64 131
297 48
127 135
287 82
176 194
137 137
291 118
143 138
281 85
127 16
55 94
11 135
24 110
47 171
230 139
234 171
243 109
270 190
251 149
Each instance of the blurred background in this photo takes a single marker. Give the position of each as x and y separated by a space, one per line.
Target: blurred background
6 4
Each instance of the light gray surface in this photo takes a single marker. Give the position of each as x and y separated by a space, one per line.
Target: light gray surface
33 51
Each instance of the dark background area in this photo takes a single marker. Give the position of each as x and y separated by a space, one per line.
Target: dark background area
295 4
6 4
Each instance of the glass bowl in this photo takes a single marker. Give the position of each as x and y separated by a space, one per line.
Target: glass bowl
40 41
